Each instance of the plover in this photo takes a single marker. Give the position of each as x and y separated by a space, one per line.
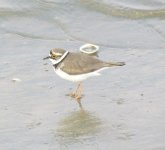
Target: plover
77 67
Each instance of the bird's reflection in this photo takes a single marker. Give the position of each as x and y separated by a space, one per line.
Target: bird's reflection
77 126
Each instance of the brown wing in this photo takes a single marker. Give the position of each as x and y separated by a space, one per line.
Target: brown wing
78 63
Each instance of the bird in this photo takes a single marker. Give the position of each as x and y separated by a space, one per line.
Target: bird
77 67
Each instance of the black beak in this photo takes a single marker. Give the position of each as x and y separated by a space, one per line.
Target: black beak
46 57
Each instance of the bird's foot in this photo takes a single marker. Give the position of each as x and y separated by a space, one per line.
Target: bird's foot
77 97
72 95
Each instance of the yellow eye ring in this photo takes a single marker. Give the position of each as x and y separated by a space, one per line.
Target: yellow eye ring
54 56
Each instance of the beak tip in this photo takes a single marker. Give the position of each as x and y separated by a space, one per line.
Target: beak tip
46 57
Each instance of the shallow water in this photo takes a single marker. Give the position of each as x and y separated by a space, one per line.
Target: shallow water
122 109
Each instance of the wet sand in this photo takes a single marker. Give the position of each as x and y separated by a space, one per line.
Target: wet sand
122 109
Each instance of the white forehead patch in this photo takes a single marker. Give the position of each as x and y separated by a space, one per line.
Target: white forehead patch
57 54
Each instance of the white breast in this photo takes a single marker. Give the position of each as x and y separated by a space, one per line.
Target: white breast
77 78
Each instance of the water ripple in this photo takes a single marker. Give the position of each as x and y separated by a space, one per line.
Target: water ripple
122 11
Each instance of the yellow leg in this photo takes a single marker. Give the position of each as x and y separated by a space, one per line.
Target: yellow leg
74 94
78 94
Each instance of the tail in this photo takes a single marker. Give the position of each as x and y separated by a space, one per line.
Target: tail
111 64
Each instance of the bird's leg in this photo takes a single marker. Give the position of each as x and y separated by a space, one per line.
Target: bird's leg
74 94
78 94
78 88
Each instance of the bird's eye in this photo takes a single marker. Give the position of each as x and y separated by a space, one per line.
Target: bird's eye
54 56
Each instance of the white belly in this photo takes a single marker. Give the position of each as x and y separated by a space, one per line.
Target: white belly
77 78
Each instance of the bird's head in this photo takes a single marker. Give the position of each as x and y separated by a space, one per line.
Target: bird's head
55 55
